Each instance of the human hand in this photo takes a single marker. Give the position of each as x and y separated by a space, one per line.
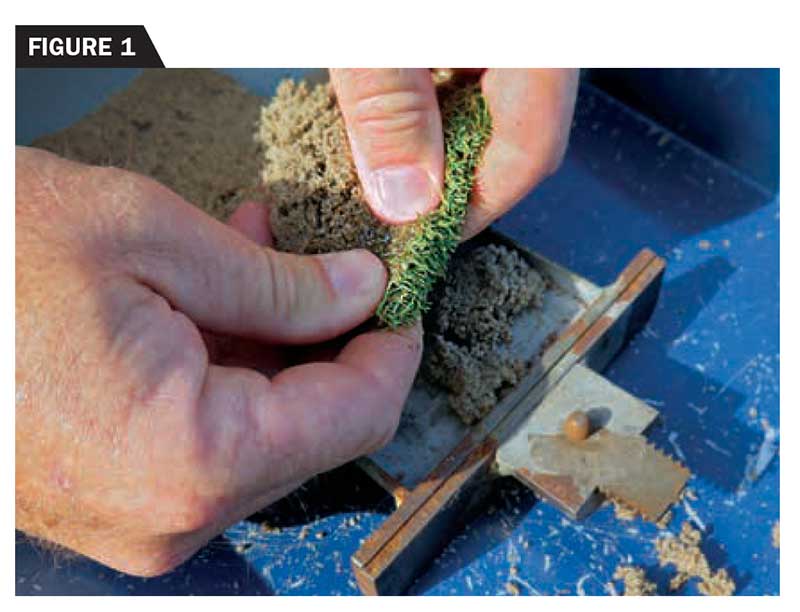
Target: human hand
135 444
395 133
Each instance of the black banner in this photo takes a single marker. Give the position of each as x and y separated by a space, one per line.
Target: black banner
112 46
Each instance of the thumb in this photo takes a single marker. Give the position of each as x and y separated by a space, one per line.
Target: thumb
395 132
226 283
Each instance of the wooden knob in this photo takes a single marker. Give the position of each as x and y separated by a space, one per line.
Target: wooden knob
576 427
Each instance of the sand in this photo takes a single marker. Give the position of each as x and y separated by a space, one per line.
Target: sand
191 130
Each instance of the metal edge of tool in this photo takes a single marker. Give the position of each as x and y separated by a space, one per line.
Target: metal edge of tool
483 428
382 565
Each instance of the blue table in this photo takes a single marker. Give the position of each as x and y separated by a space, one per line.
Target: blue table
708 360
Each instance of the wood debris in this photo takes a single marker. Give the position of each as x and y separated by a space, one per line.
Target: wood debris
635 581
684 553
622 512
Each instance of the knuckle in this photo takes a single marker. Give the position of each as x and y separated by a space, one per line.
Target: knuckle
401 113
281 291
161 348
187 499
293 284
123 187
188 513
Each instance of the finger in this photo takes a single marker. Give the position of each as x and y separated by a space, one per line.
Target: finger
314 417
395 132
226 283
252 220
352 406
531 118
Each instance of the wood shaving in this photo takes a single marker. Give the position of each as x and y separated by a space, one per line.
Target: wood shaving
634 580
623 512
665 520
626 513
684 553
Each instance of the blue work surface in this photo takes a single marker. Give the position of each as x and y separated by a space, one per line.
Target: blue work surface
708 361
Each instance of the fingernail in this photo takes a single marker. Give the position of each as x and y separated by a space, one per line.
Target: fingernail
400 194
354 273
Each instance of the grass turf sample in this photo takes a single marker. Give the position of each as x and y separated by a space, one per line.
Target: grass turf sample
422 249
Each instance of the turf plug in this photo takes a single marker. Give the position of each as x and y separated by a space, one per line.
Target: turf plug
419 255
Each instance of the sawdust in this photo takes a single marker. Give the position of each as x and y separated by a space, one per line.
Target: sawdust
665 520
776 535
191 130
635 582
626 513
623 512
684 553
267 528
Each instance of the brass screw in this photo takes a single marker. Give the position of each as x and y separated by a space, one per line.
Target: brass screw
576 426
